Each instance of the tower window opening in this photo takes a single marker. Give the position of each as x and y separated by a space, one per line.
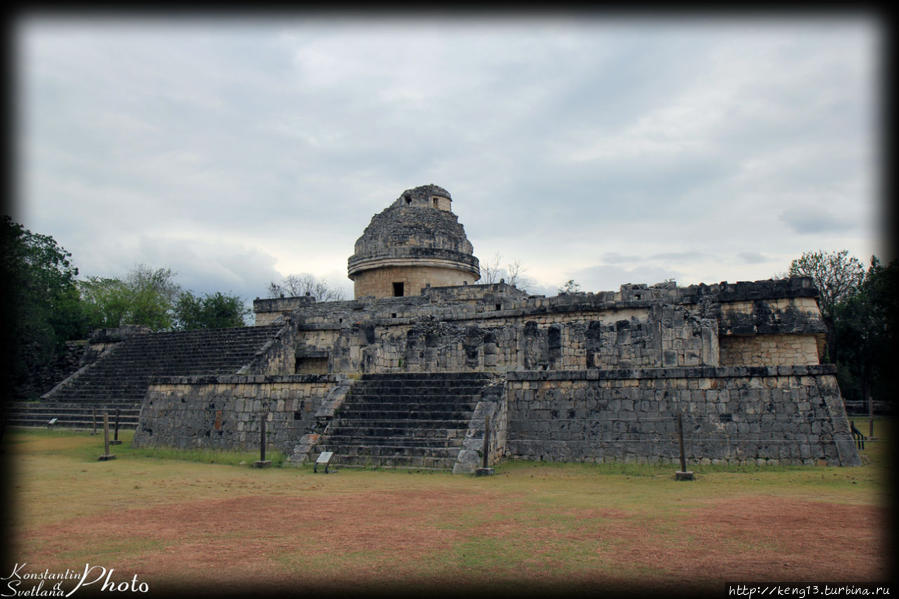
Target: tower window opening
397 290
435 202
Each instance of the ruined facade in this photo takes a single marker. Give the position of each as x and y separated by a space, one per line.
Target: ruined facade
413 374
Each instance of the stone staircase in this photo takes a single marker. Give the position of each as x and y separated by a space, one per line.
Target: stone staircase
119 378
415 420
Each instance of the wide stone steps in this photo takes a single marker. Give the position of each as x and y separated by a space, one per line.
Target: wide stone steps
121 376
425 391
394 456
413 414
388 429
403 421
35 414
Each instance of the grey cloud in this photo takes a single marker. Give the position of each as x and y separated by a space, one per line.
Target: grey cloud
556 132
813 221
753 257
678 256
615 257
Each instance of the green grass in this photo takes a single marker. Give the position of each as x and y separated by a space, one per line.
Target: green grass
89 451
526 521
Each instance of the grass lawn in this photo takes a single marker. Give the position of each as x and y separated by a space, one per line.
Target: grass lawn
207 521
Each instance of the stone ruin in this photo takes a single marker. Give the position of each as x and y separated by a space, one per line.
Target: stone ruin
414 369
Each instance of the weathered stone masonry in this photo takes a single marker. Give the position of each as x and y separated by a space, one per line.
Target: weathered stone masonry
577 377
224 412
589 377
786 414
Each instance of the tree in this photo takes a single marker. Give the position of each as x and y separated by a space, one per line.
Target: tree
837 275
300 285
570 287
212 311
865 326
146 296
512 274
43 308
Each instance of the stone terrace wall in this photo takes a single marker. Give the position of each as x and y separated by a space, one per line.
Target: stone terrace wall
734 415
223 412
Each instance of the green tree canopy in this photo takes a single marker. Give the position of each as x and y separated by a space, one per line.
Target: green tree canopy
865 326
837 275
43 308
146 296
212 311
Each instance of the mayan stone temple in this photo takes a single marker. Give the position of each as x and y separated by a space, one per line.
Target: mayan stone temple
414 369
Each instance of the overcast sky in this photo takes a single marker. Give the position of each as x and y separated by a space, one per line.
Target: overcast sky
604 150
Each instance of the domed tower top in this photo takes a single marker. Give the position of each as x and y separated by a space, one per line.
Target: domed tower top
415 242
432 196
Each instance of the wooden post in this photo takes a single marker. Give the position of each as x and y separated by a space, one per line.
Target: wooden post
683 474
115 440
871 416
262 439
106 455
94 418
262 463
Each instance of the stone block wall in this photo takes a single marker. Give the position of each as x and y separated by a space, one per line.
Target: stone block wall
269 310
768 350
786 414
379 282
223 412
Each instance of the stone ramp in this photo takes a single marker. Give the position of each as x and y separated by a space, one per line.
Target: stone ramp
119 378
415 420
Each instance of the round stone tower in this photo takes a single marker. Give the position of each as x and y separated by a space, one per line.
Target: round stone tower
417 241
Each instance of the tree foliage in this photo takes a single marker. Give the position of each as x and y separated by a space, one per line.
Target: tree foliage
212 311
146 296
571 286
865 326
304 284
860 309
837 275
43 308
